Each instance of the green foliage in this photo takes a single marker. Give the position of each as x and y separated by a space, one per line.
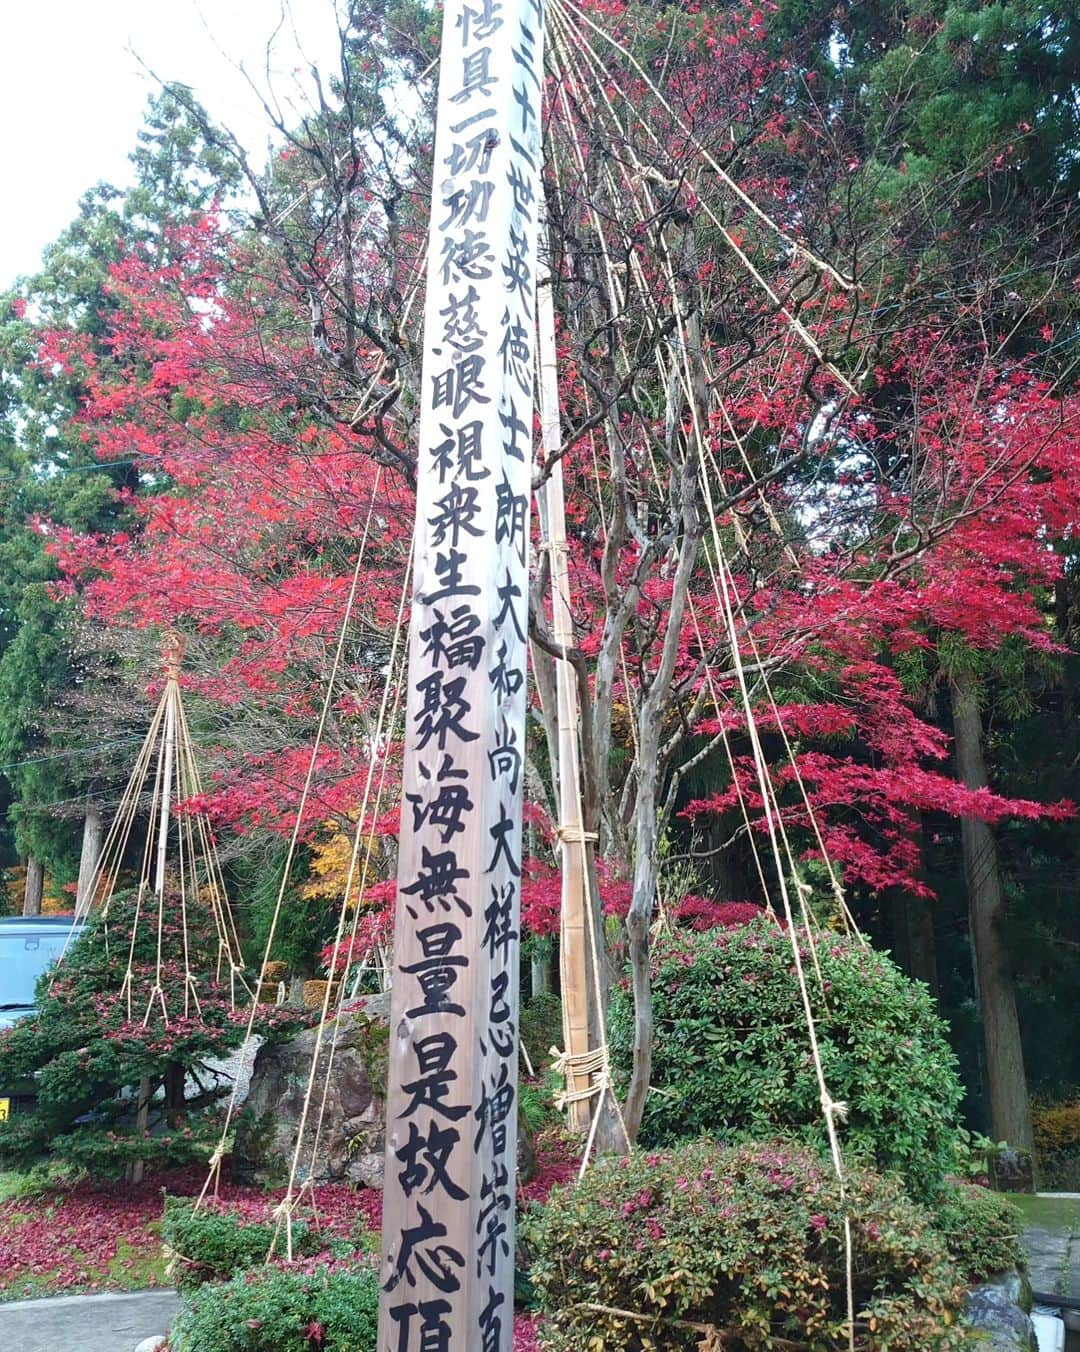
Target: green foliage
371 1039
1057 1140
212 1246
101 1028
536 1102
732 1056
746 1241
981 1229
282 1310
253 1156
970 79
541 1026
303 924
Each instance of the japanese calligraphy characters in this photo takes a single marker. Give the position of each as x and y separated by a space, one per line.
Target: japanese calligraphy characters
447 1266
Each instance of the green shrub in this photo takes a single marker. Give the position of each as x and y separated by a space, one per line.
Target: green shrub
541 1027
118 1011
282 1310
1057 1141
741 1248
211 1246
732 1057
982 1231
1056 1126
536 1102
1060 1172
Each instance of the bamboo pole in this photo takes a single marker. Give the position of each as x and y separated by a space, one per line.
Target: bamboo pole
172 654
573 935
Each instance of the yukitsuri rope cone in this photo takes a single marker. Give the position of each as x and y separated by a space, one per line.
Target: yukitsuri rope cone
174 930
178 854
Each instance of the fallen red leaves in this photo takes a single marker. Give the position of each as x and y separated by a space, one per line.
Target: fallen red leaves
83 1237
558 1158
94 1237
97 1237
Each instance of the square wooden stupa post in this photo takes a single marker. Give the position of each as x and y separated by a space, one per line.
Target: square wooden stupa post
451 1125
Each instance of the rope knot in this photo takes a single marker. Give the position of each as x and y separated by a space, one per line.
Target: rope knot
574 835
592 1065
835 1110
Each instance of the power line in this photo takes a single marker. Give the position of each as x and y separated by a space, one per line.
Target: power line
76 469
78 751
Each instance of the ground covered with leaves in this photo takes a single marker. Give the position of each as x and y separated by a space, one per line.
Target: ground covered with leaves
60 1237
88 1237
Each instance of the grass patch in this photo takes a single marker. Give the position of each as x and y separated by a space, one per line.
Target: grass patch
14 1185
136 1269
1049 1213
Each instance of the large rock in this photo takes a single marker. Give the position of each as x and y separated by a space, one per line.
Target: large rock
350 1142
997 1317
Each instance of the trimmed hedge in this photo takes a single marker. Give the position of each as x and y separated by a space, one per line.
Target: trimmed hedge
731 1057
981 1229
211 1246
740 1248
282 1310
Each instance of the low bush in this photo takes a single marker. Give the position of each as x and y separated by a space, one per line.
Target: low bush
1056 1126
277 1309
981 1229
1057 1140
1060 1172
732 1058
209 1245
739 1248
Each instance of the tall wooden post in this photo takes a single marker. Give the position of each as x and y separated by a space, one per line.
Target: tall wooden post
448 1212
167 775
573 934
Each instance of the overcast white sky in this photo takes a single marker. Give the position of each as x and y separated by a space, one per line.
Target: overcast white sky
72 91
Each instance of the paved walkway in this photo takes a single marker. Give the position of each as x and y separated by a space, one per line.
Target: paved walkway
110 1323
1052 1243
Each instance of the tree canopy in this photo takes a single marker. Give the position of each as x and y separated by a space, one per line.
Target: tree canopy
814 274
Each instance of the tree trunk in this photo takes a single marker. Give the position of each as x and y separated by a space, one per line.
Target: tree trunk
914 944
1010 1112
922 942
914 940
88 860
175 1083
137 1168
35 886
541 973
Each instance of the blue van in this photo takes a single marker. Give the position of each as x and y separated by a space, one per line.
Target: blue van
29 945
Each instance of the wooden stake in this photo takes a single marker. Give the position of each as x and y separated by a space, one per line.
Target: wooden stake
573 934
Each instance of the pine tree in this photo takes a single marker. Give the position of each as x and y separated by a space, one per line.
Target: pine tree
120 1013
